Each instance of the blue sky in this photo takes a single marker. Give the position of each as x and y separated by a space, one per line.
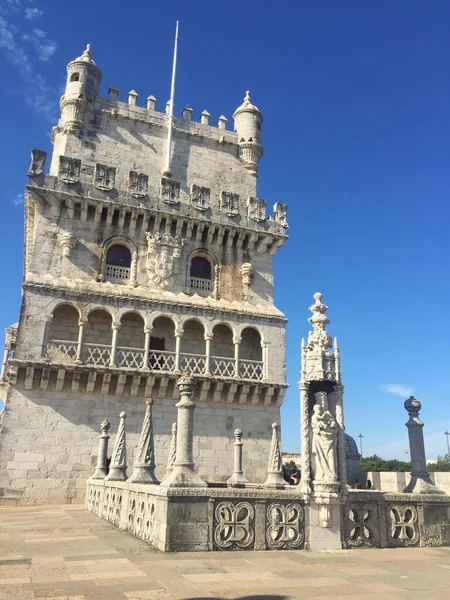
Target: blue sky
355 97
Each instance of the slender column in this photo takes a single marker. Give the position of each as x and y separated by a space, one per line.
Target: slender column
341 445
5 360
144 464
420 478
305 485
102 465
172 449
80 342
183 474
115 333
178 336
236 343
118 467
265 357
275 477
148 332
208 339
237 479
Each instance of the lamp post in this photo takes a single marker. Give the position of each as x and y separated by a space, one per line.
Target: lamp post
447 433
360 443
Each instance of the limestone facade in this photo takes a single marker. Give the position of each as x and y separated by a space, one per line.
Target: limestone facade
132 277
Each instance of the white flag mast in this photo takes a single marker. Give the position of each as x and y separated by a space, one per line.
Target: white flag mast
167 172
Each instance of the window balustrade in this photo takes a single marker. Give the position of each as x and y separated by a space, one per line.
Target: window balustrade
116 273
199 283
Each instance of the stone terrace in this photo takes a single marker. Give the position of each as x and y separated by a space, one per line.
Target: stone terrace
65 553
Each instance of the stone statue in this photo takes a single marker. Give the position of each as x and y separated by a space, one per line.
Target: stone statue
324 434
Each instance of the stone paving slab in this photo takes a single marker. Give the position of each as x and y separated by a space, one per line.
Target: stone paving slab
65 553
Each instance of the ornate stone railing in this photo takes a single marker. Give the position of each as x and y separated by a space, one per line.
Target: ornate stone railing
114 273
198 283
132 358
251 369
62 351
165 361
222 366
195 363
162 360
96 354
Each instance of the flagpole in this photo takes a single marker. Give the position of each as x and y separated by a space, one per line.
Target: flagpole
171 102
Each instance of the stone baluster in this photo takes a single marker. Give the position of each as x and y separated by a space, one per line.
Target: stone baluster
208 338
178 336
115 334
183 474
275 477
420 478
305 483
237 479
118 466
78 358
147 332
172 449
144 464
102 459
236 342
341 443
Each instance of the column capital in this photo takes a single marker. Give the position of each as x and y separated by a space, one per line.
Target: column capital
148 330
115 326
237 340
208 337
179 332
303 386
81 322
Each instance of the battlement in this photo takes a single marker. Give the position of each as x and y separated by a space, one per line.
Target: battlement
129 110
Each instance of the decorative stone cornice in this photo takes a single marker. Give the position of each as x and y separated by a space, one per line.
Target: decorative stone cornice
174 305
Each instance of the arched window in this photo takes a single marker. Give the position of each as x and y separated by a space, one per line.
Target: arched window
201 274
118 264
75 77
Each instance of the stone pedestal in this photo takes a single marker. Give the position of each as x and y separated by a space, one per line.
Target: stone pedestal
420 479
102 466
237 479
321 536
183 474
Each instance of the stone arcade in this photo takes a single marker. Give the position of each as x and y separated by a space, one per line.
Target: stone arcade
133 276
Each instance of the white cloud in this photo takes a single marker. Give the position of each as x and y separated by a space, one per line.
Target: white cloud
32 13
44 47
39 95
398 389
18 200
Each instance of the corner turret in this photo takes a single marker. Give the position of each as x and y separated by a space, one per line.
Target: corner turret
247 124
83 82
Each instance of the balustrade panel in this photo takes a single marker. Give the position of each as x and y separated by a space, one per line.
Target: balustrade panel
195 363
162 360
132 358
251 369
222 366
61 351
96 354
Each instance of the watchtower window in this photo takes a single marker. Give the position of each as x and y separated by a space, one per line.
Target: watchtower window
118 264
201 274
75 77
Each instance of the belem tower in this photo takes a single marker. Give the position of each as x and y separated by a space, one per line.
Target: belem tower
134 274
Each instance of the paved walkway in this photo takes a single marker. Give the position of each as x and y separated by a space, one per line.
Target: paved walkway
65 553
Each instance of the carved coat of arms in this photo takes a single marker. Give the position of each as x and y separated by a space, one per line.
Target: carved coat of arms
229 203
200 197
69 169
104 177
38 158
256 209
138 185
163 259
170 191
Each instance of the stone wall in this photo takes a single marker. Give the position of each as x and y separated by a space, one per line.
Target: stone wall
49 442
386 481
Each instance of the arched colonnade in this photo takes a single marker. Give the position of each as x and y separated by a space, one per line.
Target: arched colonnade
155 341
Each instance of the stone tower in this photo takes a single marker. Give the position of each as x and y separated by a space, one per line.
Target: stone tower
131 278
